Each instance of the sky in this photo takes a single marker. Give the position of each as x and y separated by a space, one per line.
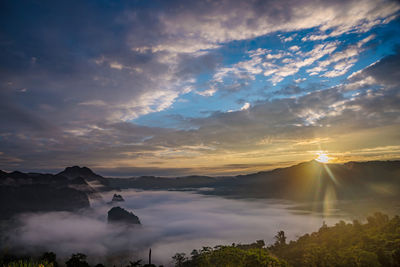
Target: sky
172 88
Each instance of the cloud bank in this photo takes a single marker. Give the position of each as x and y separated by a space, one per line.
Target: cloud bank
171 222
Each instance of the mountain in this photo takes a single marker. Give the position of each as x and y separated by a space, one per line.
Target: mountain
39 197
33 192
120 215
117 198
311 180
76 171
92 179
307 181
153 182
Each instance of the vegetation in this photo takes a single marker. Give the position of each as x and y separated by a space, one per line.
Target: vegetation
229 256
48 259
374 243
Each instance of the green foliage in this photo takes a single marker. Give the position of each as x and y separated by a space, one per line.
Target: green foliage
251 255
280 239
372 244
375 243
28 263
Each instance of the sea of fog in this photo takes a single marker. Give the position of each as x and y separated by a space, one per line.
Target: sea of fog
172 221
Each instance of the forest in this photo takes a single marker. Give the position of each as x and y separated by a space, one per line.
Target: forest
375 242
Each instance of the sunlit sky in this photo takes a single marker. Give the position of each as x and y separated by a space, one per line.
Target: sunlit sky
197 87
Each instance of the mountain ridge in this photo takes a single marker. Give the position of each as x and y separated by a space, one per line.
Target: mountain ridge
306 181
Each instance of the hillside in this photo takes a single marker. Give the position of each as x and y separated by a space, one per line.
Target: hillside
305 181
33 192
311 180
375 243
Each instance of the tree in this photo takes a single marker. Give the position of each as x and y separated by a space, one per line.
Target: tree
49 257
77 260
396 257
135 263
280 239
179 259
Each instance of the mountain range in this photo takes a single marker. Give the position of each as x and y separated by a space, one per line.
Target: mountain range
72 188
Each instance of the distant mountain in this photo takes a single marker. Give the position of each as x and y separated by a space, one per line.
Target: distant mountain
312 180
153 182
307 181
92 179
304 181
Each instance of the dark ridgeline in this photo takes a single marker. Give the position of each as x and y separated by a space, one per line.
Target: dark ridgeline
68 190
352 180
306 181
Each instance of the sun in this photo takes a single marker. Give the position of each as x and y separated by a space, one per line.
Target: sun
322 157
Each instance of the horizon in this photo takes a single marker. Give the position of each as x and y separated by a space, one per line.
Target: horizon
127 175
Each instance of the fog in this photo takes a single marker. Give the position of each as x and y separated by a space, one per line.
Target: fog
171 222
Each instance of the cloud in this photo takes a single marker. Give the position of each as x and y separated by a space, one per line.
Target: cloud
169 225
208 25
343 59
277 66
245 106
294 48
90 69
383 72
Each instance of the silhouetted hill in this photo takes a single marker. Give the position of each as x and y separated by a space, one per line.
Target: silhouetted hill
39 197
76 171
152 182
305 181
120 215
32 192
117 198
311 180
94 180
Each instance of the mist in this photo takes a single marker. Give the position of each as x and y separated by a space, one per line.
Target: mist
171 222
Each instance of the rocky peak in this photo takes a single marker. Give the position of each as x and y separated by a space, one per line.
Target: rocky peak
120 215
76 171
117 198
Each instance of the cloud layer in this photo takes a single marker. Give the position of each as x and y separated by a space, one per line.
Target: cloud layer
172 222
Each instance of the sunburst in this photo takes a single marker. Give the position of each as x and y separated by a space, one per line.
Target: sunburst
322 157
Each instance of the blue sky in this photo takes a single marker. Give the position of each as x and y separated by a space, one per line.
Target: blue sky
177 87
233 92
